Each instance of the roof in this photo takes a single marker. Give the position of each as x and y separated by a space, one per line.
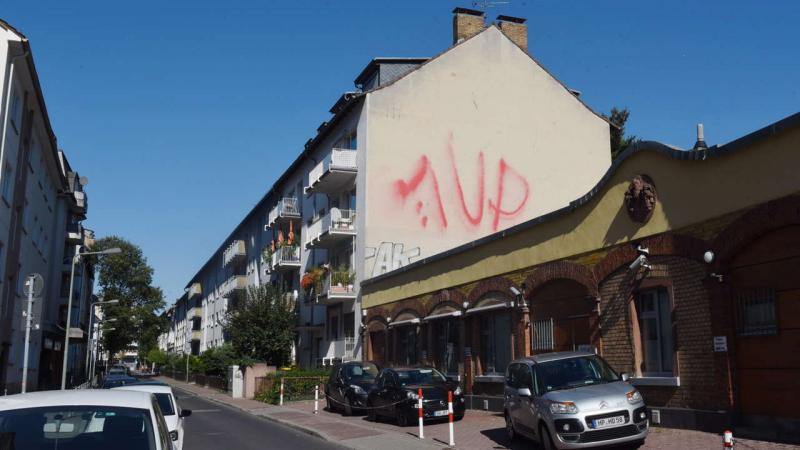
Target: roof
372 65
145 387
642 146
554 356
92 397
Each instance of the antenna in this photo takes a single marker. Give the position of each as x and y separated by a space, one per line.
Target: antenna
484 4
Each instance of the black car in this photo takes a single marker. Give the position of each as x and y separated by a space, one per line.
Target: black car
396 395
348 386
113 381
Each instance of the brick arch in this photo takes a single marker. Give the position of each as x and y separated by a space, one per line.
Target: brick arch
752 225
498 284
557 270
660 245
412 311
451 297
377 323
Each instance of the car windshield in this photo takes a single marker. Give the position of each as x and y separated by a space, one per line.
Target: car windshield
363 372
75 427
420 376
118 381
574 372
165 403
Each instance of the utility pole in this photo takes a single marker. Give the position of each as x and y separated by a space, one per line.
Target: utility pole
33 287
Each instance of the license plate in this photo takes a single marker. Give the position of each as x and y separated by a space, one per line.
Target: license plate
608 422
440 413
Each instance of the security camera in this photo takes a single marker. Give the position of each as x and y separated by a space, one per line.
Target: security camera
639 262
642 250
515 291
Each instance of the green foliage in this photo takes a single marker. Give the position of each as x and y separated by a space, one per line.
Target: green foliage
128 278
261 325
298 385
215 361
342 276
157 357
619 142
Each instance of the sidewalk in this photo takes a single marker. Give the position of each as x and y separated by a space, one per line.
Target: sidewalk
479 430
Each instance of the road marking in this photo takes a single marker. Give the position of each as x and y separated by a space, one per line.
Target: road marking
205 410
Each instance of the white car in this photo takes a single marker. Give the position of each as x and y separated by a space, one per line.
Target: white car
87 419
166 400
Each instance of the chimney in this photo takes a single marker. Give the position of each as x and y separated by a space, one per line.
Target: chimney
467 23
701 139
515 29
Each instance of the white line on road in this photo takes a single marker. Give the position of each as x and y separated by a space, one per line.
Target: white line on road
195 411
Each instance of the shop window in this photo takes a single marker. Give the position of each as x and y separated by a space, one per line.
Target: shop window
756 312
543 339
407 344
446 332
655 325
495 342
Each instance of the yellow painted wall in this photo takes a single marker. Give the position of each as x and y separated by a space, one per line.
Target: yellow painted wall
689 192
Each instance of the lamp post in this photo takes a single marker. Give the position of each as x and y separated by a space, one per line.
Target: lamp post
97 347
75 259
91 332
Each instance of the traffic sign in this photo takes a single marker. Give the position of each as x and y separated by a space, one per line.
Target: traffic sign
34 284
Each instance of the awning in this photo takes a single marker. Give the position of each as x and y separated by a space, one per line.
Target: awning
404 322
443 315
488 308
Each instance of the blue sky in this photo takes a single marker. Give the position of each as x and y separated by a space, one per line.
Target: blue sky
183 113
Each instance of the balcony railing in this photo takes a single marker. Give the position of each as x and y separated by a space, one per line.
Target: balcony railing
196 289
336 225
287 208
335 173
197 335
285 258
197 312
234 252
75 233
234 283
332 352
336 287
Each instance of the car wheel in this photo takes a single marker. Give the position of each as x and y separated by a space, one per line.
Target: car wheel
545 441
458 417
402 418
372 415
510 431
348 408
328 404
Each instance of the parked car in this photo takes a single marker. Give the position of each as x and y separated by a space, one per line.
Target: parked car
173 414
569 400
118 369
90 419
113 381
396 395
348 386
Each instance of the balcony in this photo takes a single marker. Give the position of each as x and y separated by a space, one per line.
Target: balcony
75 233
234 253
336 287
336 226
197 335
333 352
234 283
197 313
195 290
335 173
79 206
285 258
288 208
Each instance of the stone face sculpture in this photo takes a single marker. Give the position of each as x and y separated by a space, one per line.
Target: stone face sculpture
641 198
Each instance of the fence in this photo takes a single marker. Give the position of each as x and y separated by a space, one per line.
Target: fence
210 381
268 388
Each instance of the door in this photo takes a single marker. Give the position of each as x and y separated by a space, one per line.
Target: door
511 394
527 405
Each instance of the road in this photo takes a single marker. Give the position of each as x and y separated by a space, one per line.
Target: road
217 427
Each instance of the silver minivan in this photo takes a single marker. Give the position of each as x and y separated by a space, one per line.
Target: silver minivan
572 400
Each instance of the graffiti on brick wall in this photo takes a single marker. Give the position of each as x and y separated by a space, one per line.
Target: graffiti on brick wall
437 203
389 256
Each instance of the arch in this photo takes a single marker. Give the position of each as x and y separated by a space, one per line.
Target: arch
406 314
377 323
560 270
660 245
498 284
452 297
754 224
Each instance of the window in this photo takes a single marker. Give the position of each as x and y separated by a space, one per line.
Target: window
8 173
165 403
16 110
519 376
495 342
543 337
756 312
655 325
407 344
446 332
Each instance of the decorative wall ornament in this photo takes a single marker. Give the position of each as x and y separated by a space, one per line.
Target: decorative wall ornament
641 198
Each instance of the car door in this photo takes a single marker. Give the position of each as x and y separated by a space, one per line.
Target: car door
511 395
379 397
527 410
336 386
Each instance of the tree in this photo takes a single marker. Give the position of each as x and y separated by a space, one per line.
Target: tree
619 142
261 325
127 277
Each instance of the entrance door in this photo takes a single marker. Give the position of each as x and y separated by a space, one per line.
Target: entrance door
377 341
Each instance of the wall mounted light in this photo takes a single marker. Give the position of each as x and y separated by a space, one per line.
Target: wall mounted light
708 257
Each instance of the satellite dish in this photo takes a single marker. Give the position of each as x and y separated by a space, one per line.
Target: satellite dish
83 181
34 283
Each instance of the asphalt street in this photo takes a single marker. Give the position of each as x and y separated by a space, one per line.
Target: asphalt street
218 427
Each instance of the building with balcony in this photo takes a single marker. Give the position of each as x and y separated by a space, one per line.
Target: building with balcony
424 155
42 206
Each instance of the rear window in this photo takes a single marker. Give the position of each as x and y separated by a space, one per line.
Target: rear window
76 427
165 403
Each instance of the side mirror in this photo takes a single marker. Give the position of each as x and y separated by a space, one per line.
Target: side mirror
524 392
625 377
185 413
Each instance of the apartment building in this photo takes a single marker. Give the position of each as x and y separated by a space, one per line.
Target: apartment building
184 331
425 154
42 205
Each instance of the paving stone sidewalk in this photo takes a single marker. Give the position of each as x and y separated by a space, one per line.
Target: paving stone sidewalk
479 430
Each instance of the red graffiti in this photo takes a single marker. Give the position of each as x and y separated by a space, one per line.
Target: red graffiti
511 185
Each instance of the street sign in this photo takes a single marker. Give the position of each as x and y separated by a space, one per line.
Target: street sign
34 284
720 343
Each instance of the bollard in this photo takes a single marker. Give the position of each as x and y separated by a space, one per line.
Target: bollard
450 416
419 404
727 439
281 402
316 399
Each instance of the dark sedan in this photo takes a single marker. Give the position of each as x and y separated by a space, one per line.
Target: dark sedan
113 381
348 386
395 395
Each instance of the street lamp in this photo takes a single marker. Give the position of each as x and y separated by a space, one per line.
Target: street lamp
75 259
90 348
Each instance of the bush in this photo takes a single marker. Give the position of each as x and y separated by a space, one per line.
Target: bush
294 389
